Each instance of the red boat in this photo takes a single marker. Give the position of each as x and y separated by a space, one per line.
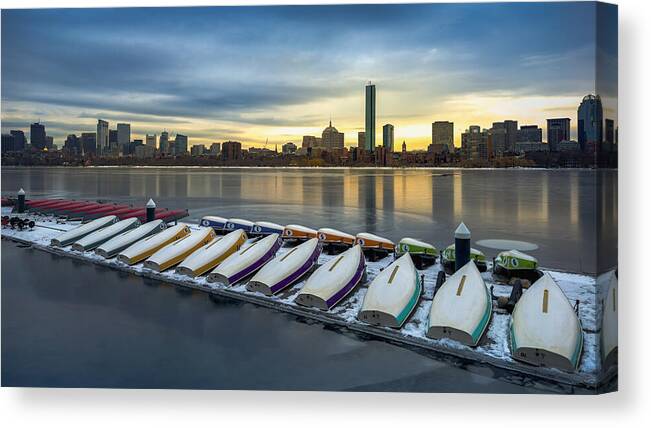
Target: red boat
111 209
64 209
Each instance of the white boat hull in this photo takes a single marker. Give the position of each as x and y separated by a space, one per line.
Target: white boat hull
97 238
112 247
174 253
392 295
144 248
247 261
67 238
286 269
334 280
212 254
462 308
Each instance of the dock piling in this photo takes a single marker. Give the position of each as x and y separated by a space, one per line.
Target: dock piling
461 246
151 210
21 201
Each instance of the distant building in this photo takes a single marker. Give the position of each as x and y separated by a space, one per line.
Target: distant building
20 142
511 127
124 134
289 148
590 122
72 145
610 131
150 140
498 138
163 142
442 136
197 150
310 141
49 142
332 139
568 146
361 140
387 137
529 134
231 150
7 143
557 130
528 146
88 143
37 136
102 136
215 149
478 144
181 144
113 138
369 134
404 147
143 151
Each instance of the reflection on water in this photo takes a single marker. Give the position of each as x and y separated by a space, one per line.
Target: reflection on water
556 210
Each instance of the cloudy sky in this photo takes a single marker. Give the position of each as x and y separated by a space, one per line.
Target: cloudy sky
277 73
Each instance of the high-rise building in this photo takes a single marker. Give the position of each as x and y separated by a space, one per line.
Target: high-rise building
102 137
478 144
442 136
511 127
164 142
124 134
215 149
370 118
310 142
113 139
49 142
181 144
197 150
7 143
37 136
331 139
557 130
387 138
610 131
289 148
150 140
231 150
88 143
361 140
529 134
590 123
20 142
498 138
72 145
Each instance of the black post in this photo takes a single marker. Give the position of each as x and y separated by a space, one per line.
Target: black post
151 210
21 201
461 246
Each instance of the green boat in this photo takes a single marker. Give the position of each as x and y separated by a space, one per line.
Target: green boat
422 253
447 259
516 264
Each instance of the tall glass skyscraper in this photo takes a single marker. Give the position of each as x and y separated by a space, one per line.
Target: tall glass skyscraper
387 137
590 126
370 118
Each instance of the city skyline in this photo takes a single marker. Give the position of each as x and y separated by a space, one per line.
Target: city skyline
257 73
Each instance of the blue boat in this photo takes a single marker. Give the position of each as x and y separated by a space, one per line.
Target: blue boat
217 223
264 228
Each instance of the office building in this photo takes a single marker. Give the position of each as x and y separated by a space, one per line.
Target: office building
361 140
442 136
498 138
590 123
150 140
181 144
7 143
610 131
20 142
88 143
37 136
387 138
289 148
529 134
369 135
557 130
231 150
215 149
124 134
332 139
163 142
197 150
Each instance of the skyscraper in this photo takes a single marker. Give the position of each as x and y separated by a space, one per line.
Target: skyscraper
150 140
361 140
37 136
163 142
332 139
442 136
511 127
124 135
102 137
88 143
529 134
181 144
387 137
20 142
370 117
557 130
590 122
610 131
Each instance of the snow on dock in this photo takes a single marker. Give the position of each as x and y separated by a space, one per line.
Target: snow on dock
493 349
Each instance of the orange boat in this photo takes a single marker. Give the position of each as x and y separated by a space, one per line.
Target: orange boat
296 232
374 246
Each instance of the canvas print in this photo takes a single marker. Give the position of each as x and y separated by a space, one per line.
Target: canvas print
394 197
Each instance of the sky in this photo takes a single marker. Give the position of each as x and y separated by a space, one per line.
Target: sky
277 73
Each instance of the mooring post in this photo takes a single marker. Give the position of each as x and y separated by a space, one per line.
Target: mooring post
21 201
151 210
461 246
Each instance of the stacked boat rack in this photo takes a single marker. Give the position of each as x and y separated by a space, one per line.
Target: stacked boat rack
507 313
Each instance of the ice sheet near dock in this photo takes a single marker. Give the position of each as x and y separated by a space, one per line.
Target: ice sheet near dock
495 344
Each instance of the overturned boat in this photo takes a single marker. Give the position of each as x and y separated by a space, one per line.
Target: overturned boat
334 240
609 341
374 246
217 223
237 224
392 295
264 228
212 254
448 258
422 253
516 264
176 252
246 261
298 233
284 270
97 238
334 280
142 249
67 238
461 308
112 247
545 329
